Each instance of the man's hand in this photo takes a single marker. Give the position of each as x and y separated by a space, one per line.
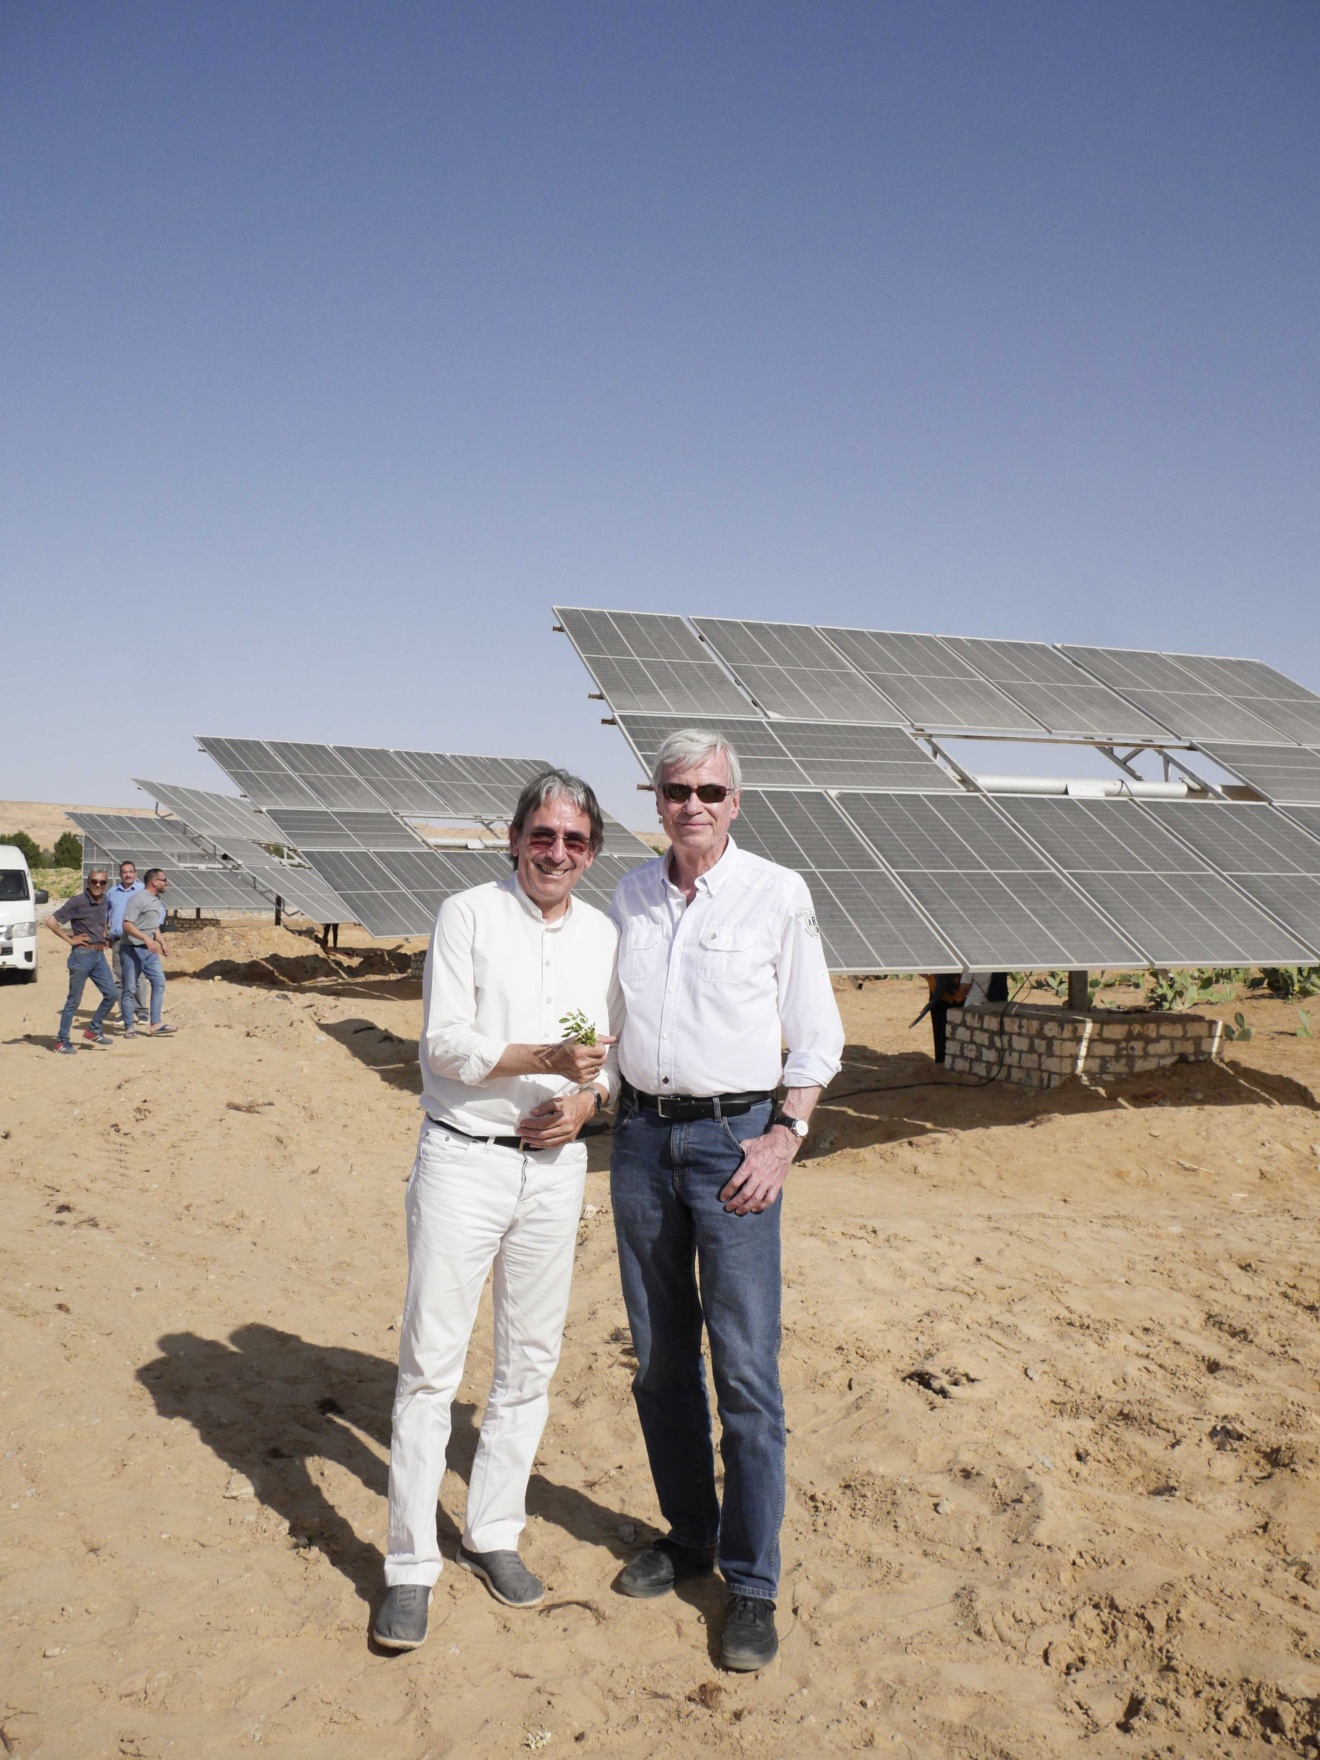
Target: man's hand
580 1063
556 1122
765 1165
79 940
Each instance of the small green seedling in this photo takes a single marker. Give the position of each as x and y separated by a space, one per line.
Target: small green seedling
576 1026
1304 1030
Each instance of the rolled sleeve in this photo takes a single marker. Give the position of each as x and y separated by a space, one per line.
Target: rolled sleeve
808 1011
451 1044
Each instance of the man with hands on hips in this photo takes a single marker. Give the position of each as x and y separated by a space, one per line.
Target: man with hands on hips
720 963
497 1181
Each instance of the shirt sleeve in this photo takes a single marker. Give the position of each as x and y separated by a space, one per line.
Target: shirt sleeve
451 1044
610 1074
808 1012
65 911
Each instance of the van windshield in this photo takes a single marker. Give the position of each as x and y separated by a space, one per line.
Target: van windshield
13 885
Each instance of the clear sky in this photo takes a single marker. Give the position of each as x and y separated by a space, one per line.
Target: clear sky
338 341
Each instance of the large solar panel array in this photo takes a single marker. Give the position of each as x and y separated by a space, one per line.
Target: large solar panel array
1166 899
806 754
282 773
993 896
1288 775
867 921
791 670
231 828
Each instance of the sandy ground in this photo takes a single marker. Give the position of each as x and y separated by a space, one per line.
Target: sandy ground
1050 1365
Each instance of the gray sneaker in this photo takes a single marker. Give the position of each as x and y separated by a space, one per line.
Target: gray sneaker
401 1622
505 1575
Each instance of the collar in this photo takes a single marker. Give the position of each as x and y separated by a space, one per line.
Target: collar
531 908
713 878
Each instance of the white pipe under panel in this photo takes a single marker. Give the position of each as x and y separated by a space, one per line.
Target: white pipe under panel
1086 787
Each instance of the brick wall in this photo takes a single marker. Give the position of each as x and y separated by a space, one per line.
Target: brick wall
1040 1046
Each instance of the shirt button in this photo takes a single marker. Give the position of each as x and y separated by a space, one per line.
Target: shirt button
664 1035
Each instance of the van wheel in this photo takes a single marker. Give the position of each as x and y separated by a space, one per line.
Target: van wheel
27 977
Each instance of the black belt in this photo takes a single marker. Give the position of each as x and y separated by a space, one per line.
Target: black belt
683 1108
500 1142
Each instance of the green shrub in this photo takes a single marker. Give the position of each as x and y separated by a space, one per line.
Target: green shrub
1240 1031
1286 982
28 845
68 851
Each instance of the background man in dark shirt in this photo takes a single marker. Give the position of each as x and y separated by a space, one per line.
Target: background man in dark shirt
87 917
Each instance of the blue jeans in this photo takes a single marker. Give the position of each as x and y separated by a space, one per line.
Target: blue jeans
136 962
685 1261
85 963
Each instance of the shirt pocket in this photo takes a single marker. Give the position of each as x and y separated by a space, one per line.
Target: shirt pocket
639 953
726 956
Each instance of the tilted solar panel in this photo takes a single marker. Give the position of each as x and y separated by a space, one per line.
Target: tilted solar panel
254 768
1065 700
867 921
792 671
1286 706
309 830
1167 900
1157 684
929 683
1286 774
808 754
649 663
193 885
991 894
1271 859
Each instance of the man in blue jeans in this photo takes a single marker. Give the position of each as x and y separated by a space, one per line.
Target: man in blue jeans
83 921
720 962
141 952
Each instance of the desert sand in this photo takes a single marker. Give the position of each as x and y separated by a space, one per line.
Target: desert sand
1050 1363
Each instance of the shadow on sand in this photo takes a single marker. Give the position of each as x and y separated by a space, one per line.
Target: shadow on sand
268 1403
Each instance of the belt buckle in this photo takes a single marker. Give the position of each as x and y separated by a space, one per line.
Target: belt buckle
661 1102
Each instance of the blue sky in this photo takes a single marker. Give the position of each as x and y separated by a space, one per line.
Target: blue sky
339 341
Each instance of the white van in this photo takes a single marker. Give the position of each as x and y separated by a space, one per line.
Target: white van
18 915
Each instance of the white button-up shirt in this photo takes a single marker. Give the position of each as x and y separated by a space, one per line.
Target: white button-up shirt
498 974
712 989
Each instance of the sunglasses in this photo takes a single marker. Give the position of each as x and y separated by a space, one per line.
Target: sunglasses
712 793
574 842
96 883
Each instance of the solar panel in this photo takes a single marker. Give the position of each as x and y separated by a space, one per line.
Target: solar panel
315 829
1166 899
1287 774
993 897
806 754
1289 708
647 663
1307 817
867 921
142 830
929 683
1065 700
1268 856
792 671
253 766
1185 704
194 884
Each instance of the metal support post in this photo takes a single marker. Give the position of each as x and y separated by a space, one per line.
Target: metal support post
1079 991
279 906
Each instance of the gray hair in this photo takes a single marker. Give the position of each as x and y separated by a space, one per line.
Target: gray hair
691 745
560 785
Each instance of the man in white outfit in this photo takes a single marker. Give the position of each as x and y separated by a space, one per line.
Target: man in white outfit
498 1180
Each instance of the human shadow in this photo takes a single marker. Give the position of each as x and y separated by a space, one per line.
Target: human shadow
389 1056
268 1403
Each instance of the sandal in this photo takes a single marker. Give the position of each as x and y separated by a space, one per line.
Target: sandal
156 1032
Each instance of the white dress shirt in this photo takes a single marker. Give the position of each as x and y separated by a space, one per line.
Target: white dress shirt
712 989
498 974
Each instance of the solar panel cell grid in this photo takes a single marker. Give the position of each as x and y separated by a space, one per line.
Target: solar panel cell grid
651 664
791 670
930 684
1288 774
1165 690
1056 693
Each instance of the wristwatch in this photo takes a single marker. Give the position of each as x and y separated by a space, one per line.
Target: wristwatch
798 1126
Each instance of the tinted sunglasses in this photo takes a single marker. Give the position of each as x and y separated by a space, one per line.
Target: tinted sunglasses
574 841
712 793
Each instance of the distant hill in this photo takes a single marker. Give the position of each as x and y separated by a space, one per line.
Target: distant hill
44 820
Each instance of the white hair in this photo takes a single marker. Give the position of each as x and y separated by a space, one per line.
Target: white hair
692 745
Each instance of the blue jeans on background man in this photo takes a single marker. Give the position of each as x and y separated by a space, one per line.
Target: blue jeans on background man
137 962
85 963
685 1260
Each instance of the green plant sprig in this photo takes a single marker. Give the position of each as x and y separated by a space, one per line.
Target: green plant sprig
576 1026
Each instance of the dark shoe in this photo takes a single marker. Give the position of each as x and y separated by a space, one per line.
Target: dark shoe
655 1571
401 1622
94 1038
64 1046
505 1575
750 1639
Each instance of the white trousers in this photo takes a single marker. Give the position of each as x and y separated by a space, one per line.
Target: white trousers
471 1206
